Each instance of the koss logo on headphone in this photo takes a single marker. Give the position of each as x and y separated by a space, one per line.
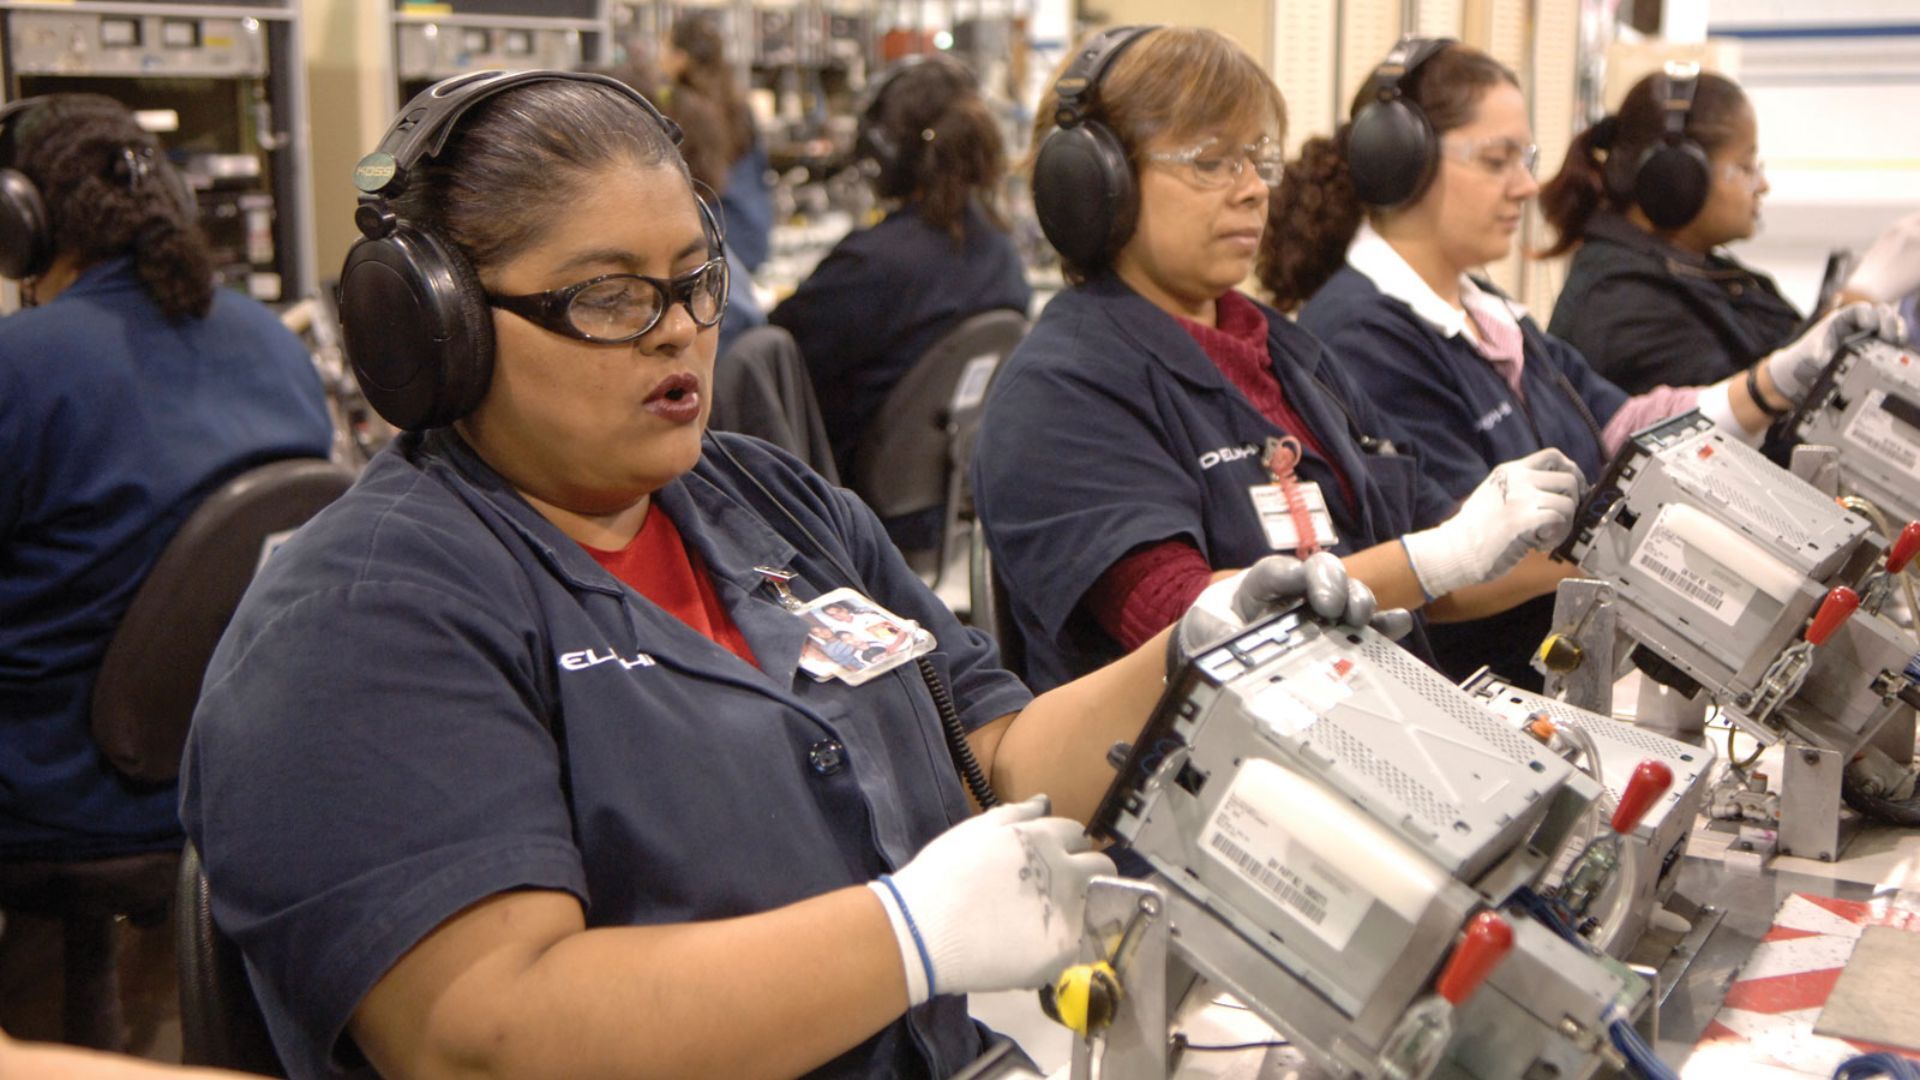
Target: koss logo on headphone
1392 151
414 316
1083 186
1673 177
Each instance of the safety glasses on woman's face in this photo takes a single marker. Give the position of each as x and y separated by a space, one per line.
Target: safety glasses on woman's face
616 308
1495 156
1214 164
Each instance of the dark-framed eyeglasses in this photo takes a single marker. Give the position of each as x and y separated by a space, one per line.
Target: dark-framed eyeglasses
616 308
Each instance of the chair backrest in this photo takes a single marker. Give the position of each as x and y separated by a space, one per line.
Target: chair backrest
150 677
220 1022
987 602
905 461
761 388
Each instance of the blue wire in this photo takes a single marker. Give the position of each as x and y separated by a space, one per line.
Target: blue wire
1639 1055
1878 1064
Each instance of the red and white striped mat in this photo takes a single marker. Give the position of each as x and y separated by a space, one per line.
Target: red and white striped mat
1764 1030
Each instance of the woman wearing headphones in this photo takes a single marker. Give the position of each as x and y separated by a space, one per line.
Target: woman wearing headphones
510 761
884 295
130 387
1645 201
1156 427
1377 231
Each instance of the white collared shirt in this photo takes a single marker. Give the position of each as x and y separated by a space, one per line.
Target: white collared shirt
1370 254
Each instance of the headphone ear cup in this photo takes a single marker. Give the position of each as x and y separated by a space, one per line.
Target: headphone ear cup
417 329
1672 182
1083 193
1391 153
26 238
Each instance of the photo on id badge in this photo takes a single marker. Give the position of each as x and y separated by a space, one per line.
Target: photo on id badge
853 639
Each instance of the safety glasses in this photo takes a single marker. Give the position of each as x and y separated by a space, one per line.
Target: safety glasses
616 308
1216 164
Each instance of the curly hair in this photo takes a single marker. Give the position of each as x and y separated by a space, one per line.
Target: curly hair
949 152
108 192
1599 168
1312 217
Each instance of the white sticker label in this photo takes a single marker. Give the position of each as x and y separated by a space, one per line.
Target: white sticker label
1712 588
1878 431
1271 504
1248 840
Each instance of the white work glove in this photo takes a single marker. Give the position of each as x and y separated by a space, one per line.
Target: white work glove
1796 365
1522 505
1232 604
993 903
1890 269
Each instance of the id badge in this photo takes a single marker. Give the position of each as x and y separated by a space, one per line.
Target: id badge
1271 504
854 639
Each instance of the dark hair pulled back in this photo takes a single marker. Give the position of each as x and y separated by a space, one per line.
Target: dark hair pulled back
107 194
1598 171
708 74
519 158
951 153
1314 214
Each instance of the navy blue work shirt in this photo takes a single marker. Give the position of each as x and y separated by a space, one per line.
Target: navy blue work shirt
1465 419
1109 429
878 302
114 423
432 695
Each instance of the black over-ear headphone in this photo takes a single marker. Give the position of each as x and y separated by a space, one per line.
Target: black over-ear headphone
414 316
26 236
873 141
26 231
1083 186
1392 150
1673 177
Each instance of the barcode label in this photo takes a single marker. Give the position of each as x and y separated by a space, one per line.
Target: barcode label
1247 836
1275 878
1691 572
1684 582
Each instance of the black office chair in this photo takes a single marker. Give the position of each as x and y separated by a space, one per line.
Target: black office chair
761 388
913 457
142 703
220 1021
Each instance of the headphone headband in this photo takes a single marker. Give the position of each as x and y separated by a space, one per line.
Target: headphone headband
1410 53
1075 91
423 127
1679 81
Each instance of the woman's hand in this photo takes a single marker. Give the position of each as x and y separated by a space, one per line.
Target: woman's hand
1795 366
993 903
1522 505
1890 269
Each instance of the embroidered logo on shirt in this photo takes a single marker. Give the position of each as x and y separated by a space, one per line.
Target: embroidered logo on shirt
1226 454
582 659
1493 416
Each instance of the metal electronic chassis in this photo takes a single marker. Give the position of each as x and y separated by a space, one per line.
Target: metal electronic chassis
1866 406
1323 814
1660 840
1717 560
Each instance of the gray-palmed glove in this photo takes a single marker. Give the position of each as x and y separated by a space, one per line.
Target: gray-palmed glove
1231 604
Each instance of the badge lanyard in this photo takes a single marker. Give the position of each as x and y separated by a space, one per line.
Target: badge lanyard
1283 457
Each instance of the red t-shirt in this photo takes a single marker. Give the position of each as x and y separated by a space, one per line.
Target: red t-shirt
660 566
